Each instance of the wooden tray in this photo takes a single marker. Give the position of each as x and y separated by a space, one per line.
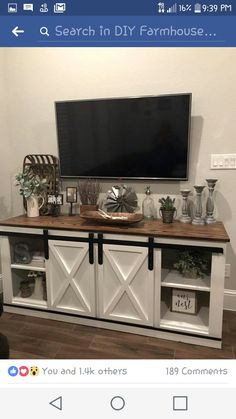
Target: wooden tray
95 216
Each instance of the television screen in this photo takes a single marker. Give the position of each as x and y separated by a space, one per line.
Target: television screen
125 138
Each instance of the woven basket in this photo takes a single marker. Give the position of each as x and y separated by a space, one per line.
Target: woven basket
46 167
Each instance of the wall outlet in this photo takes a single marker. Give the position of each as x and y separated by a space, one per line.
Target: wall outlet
227 270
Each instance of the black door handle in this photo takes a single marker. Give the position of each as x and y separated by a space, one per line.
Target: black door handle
45 244
100 249
91 251
150 253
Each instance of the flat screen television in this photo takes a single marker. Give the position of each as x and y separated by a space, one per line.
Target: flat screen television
125 138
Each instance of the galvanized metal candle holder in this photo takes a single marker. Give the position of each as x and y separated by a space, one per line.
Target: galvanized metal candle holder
198 220
185 218
210 202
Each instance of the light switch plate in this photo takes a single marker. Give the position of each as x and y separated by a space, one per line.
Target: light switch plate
223 161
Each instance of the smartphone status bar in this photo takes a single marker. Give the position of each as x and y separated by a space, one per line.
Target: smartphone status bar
121 8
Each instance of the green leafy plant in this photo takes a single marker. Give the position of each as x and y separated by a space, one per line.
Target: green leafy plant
191 264
30 184
167 203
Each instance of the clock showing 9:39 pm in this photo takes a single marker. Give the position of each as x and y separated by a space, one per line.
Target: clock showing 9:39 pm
216 8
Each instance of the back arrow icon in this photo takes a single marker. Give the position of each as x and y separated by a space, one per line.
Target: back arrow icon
16 31
57 403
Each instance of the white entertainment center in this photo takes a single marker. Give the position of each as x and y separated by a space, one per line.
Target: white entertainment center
117 277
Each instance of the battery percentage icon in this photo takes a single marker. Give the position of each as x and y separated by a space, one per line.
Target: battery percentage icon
197 8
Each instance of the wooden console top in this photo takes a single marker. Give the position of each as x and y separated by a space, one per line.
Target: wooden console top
155 228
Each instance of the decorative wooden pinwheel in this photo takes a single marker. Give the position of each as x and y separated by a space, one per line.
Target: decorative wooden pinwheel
121 199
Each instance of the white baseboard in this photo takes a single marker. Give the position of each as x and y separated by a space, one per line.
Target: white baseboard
230 300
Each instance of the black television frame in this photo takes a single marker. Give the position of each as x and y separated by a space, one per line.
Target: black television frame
141 178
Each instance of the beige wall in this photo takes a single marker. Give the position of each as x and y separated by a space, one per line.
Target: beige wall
34 78
5 166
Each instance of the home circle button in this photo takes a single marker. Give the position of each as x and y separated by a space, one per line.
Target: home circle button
117 403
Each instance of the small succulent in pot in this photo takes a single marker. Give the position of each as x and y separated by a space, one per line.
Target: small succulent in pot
192 264
167 209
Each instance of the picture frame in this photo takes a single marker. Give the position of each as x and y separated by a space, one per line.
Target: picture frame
71 194
55 199
183 301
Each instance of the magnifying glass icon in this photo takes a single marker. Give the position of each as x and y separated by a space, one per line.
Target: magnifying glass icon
44 31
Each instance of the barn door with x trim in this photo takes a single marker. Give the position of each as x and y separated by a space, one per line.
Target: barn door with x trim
125 285
70 278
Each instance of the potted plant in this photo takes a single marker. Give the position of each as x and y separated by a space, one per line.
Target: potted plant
31 187
167 209
89 193
191 264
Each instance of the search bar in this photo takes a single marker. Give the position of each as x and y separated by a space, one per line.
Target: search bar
112 31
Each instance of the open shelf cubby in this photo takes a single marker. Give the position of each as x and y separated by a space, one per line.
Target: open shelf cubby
171 277
36 250
191 323
35 299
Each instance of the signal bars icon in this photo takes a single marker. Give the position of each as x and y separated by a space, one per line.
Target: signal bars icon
172 9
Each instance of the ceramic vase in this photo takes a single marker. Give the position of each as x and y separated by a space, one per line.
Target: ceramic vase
33 205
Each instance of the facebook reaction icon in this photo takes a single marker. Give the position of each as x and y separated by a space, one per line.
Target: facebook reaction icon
12 371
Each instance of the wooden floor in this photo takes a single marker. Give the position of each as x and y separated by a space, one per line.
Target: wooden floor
32 337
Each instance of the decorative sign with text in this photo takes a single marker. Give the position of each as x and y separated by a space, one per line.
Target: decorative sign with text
55 199
184 301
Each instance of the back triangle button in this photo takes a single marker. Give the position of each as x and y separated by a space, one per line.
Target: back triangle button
57 403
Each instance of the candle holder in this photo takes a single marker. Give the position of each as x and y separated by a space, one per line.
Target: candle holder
210 202
71 198
185 218
198 220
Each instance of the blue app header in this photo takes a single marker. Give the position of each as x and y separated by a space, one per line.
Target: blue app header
124 23
122 31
